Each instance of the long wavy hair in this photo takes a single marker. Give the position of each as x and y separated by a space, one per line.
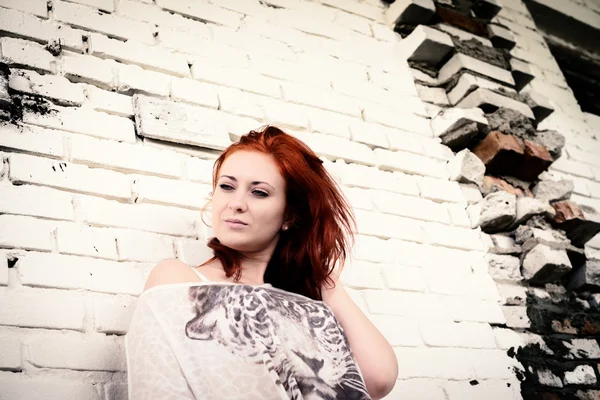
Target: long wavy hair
320 219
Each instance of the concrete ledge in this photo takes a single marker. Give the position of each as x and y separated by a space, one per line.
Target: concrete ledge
411 12
501 37
427 45
462 61
489 101
468 83
521 72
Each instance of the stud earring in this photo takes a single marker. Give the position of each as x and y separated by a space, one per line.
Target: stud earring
285 228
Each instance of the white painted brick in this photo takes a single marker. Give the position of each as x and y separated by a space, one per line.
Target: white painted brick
284 114
133 78
395 118
453 237
316 23
362 275
192 252
354 22
447 364
358 198
406 304
237 102
87 18
457 261
89 69
199 170
480 286
337 148
169 192
57 88
105 5
459 215
488 389
313 97
255 45
62 175
153 14
3 269
409 254
300 72
249 7
202 11
373 249
400 277
507 338
587 157
459 308
86 121
124 156
143 246
238 126
83 240
330 122
481 97
278 30
398 83
73 272
23 53
462 334
388 226
489 364
112 314
471 193
383 32
369 134
402 140
333 68
461 61
240 78
149 57
36 308
433 95
168 220
398 331
181 123
417 389
73 350
23 24
21 386
563 164
36 7
409 163
10 348
409 206
362 9
25 200
26 232
463 35
202 50
440 190
192 91
434 148
371 178
31 139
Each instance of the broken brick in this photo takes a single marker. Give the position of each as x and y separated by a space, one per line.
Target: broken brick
492 184
500 152
581 223
537 159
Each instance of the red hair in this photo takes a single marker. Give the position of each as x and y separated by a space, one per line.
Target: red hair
320 220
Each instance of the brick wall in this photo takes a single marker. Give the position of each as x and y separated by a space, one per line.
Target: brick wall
94 192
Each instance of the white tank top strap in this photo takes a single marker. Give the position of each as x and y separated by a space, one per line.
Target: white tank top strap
200 275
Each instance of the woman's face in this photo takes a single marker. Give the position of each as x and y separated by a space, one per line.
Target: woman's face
248 202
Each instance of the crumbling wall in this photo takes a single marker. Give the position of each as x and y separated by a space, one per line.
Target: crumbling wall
523 142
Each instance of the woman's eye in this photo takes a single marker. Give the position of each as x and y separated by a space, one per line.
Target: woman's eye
260 193
224 186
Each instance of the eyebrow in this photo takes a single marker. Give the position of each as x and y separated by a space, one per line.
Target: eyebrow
253 183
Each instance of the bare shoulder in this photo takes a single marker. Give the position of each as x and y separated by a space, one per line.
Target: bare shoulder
168 271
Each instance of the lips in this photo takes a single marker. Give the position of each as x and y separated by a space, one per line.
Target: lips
235 221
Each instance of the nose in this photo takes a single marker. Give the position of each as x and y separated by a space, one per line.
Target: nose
237 202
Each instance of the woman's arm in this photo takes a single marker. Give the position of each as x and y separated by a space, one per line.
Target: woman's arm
375 356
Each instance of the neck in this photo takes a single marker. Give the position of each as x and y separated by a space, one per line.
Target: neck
253 270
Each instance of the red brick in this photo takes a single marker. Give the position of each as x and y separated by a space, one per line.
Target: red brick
500 153
537 159
581 223
491 182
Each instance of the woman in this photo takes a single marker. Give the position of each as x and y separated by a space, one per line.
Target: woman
264 318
